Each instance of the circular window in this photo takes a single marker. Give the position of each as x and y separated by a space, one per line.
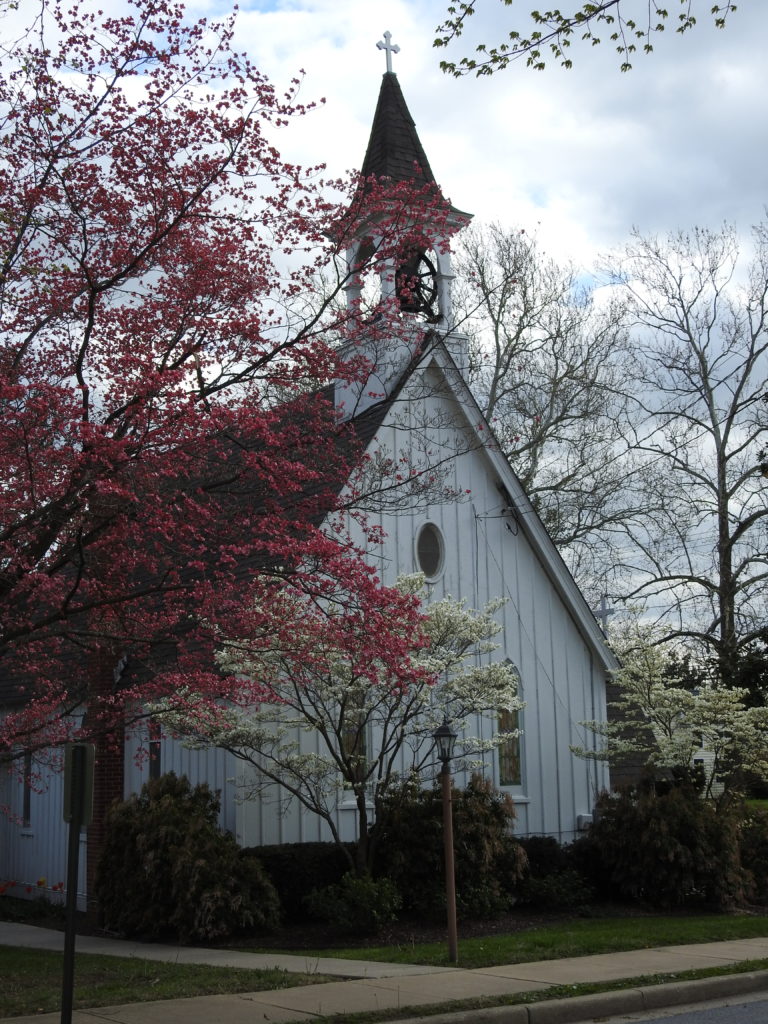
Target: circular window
429 550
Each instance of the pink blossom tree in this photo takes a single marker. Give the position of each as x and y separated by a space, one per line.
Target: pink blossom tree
168 441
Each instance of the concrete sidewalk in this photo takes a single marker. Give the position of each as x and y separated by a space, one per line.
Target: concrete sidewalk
47 938
378 986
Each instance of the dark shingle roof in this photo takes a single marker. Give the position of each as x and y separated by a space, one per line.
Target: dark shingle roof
394 150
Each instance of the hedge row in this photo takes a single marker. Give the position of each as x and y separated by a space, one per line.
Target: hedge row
167 870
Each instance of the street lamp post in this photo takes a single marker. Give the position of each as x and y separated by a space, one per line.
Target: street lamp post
445 738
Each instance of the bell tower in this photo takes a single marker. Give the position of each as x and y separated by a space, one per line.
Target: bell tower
417 282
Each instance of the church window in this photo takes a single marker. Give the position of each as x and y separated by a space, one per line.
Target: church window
430 550
510 768
155 749
354 746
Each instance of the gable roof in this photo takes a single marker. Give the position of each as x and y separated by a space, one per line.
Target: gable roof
436 352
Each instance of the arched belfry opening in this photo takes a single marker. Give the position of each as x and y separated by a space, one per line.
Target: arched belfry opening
416 284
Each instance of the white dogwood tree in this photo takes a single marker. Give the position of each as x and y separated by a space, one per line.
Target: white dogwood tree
672 724
330 723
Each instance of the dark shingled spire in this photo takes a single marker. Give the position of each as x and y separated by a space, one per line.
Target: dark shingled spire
394 150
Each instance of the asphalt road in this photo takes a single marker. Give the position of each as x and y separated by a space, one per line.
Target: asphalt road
737 1010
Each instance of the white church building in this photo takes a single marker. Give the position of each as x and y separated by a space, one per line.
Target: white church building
489 543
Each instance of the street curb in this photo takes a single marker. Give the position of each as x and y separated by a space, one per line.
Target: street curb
602 1004
678 993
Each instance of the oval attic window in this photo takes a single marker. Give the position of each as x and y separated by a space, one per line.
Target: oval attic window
429 550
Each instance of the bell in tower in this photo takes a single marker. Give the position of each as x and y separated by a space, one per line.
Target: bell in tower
416 286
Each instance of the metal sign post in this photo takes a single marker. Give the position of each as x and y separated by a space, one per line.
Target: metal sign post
78 811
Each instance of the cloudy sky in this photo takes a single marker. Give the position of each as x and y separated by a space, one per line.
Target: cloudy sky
581 156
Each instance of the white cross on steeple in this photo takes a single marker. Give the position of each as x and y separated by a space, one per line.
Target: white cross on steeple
387 45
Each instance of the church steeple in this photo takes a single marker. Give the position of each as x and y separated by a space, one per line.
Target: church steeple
396 156
394 149
417 279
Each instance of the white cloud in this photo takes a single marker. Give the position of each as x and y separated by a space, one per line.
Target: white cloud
584 155
581 156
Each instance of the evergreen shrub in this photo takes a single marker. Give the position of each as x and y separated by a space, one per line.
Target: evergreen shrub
753 845
408 848
410 851
546 856
296 869
553 879
167 870
668 849
357 904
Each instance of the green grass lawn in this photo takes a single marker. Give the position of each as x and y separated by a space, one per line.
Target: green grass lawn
578 937
30 980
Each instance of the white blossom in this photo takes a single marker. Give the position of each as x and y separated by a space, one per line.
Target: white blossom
674 725
366 738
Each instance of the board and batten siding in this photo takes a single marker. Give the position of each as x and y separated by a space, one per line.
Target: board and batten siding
487 555
34 850
260 821
215 767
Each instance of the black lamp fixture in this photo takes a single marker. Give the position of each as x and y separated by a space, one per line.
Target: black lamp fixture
445 740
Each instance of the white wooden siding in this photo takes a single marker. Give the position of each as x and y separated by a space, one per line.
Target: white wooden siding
487 555
215 767
38 851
